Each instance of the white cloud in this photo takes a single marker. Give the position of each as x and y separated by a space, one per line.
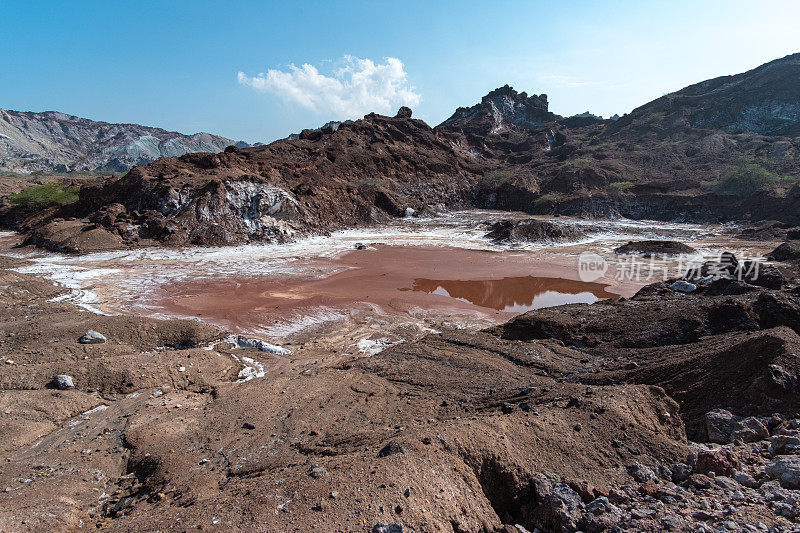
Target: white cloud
355 89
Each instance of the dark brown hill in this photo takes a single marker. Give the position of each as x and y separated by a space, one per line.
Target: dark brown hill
765 100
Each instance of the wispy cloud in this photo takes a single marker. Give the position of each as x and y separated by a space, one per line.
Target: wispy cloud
358 87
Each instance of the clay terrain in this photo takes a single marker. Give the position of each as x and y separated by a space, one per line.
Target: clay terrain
145 384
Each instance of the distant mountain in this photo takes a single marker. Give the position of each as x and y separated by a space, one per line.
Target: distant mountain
764 100
53 141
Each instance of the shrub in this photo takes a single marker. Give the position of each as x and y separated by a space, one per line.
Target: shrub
496 178
747 178
550 197
46 194
620 186
370 184
578 162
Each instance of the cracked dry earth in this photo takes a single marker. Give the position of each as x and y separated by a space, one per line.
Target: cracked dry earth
563 419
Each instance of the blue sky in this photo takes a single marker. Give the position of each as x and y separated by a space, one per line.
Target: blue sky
176 64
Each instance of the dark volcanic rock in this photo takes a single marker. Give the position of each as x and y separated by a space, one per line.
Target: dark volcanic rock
655 247
403 112
532 230
787 251
742 346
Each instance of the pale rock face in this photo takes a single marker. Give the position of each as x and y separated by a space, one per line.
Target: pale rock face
259 206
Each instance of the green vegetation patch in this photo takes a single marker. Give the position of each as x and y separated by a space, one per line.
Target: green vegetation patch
578 162
370 184
46 194
550 197
619 186
748 178
496 178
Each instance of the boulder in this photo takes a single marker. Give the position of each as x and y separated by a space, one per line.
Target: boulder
641 473
394 527
403 112
745 479
786 469
92 337
683 286
723 427
62 382
318 471
787 251
560 510
722 461
532 230
555 139
681 472
391 449
786 441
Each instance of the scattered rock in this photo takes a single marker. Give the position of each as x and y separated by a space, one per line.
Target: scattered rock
92 337
786 469
641 473
721 461
683 286
394 527
62 382
318 471
390 449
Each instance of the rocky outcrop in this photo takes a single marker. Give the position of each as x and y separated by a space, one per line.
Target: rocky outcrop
500 110
58 142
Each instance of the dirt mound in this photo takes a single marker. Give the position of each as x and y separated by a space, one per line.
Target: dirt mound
741 344
655 247
787 251
532 230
